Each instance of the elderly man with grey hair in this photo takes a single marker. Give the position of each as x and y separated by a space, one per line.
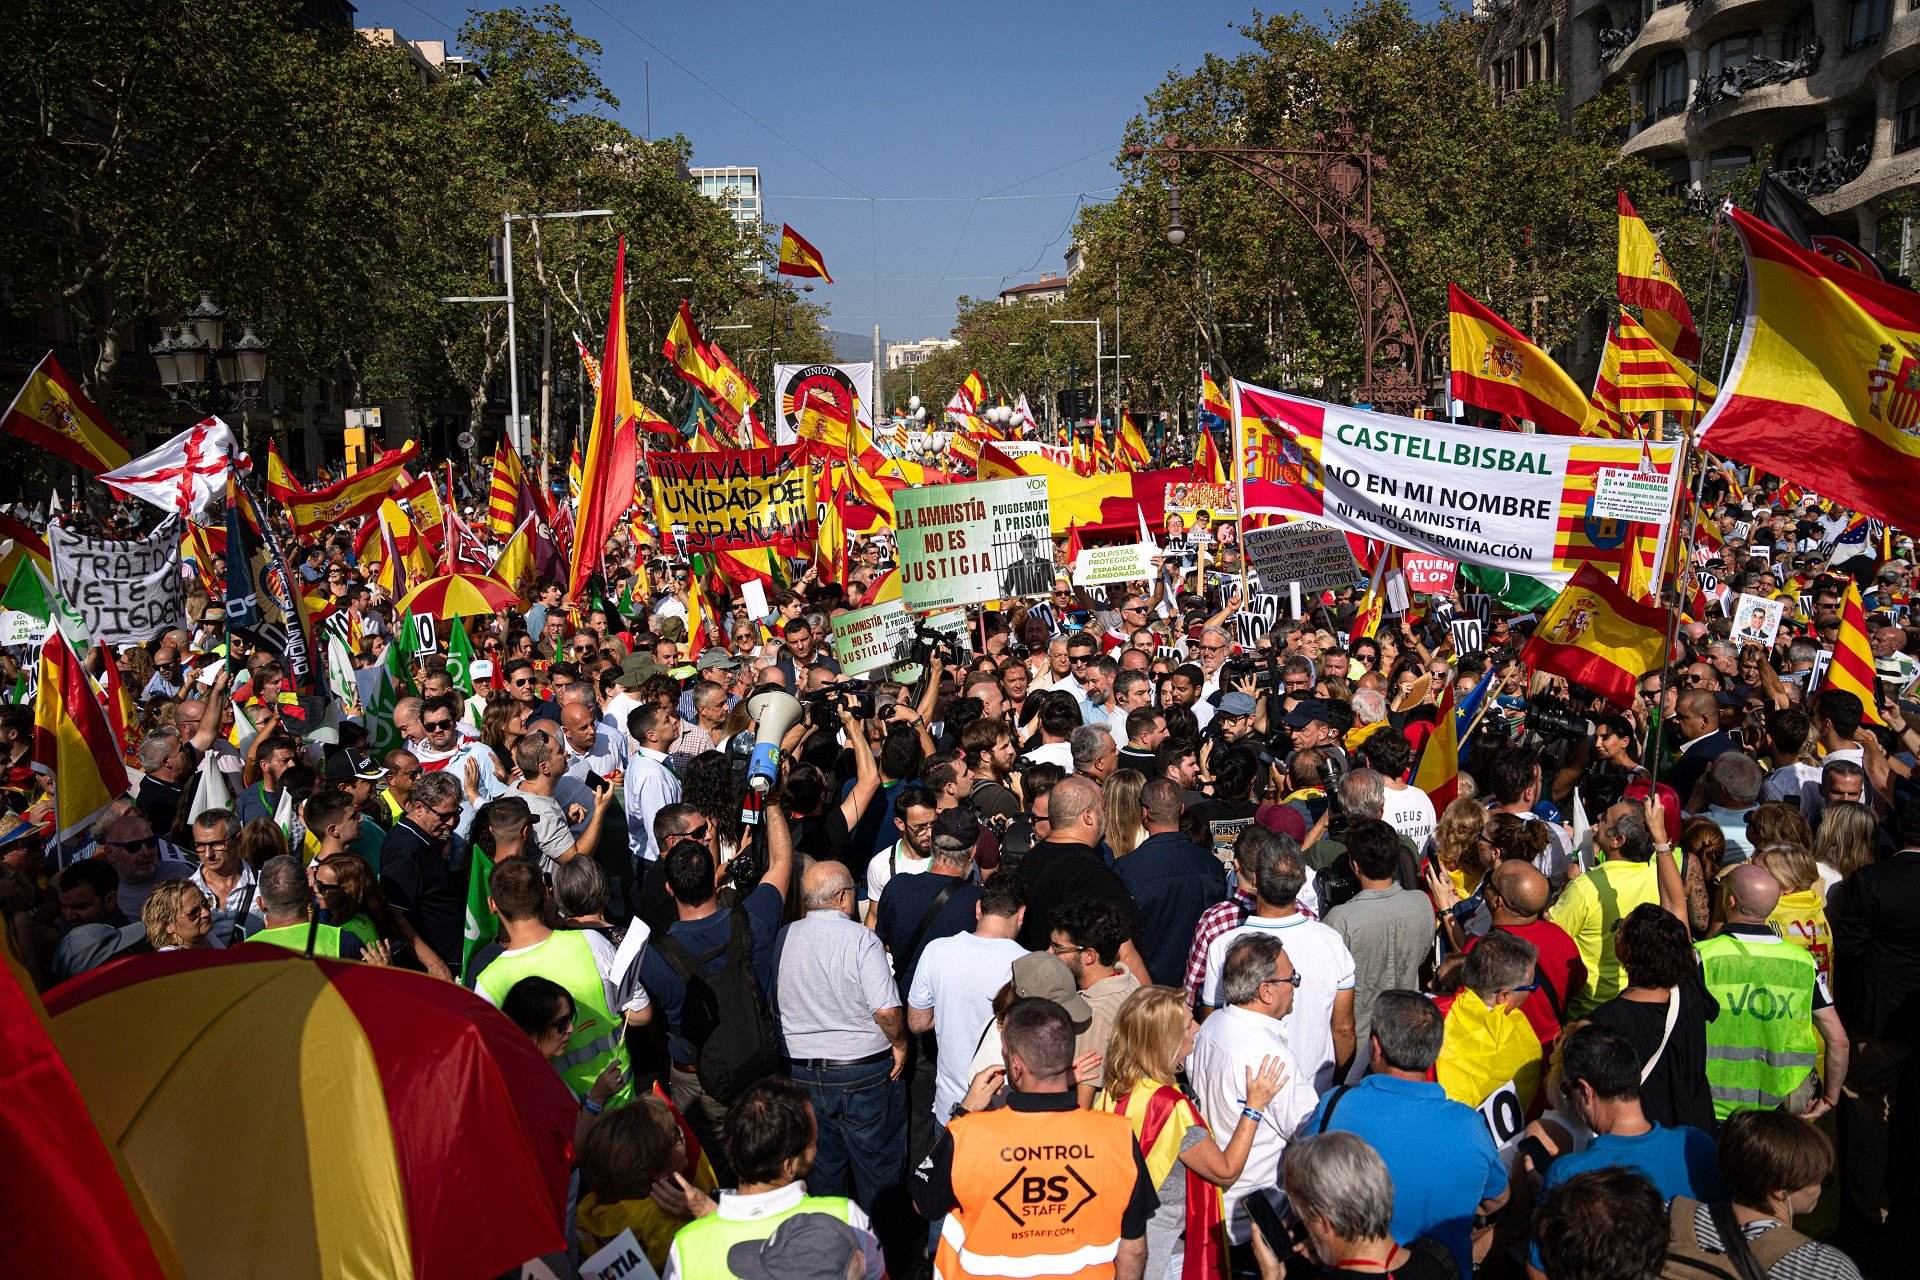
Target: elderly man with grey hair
845 1037
1095 754
1369 707
1258 983
1733 788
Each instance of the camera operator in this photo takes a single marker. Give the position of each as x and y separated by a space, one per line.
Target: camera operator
1232 725
820 829
1059 717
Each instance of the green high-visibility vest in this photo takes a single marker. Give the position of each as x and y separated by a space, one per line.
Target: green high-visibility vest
703 1244
293 937
599 1035
1762 1045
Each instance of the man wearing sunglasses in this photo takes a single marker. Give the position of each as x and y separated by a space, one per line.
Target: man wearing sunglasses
126 840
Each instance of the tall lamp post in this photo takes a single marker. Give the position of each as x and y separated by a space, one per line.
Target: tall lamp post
200 369
1099 351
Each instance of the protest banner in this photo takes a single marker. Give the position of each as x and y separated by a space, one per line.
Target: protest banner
732 500
1128 562
1624 493
827 391
1058 455
18 628
1202 497
869 638
1494 499
1429 575
1756 620
968 543
1317 556
126 592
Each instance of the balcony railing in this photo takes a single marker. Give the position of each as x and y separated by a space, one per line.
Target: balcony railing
1614 41
1829 173
1755 73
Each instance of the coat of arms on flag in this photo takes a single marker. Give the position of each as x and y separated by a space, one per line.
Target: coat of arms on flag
1893 393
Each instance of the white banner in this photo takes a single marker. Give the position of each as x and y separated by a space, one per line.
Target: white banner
125 592
1496 499
833 382
1127 562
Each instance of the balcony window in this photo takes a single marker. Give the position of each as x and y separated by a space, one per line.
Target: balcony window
1678 173
1726 162
1800 33
1860 131
1906 114
1665 90
1866 23
1734 51
1803 150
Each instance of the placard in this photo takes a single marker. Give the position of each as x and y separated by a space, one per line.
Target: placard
1624 493
1506 1120
1257 618
870 638
732 500
1429 575
21 628
622 1259
1469 635
1128 562
1201 497
1480 605
1756 620
753 594
1316 556
965 544
126 592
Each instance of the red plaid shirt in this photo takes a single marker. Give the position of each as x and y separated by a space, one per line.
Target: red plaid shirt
1219 919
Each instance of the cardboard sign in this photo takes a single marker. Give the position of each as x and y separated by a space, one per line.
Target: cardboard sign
965 544
734 499
1623 493
1818 675
21 628
1469 635
622 1259
870 638
1259 618
1429 575
1506 1120
126 592
1756 620
753 593
1316 556
1480 605
1128 562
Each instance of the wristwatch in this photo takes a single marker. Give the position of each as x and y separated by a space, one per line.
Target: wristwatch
956 1111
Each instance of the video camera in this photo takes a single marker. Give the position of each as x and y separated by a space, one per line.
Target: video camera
1554 719
823 705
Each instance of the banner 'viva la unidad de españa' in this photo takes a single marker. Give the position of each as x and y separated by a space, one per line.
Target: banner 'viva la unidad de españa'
1498 499
731 500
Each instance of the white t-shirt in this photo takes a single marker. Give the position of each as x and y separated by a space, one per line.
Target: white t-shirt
1059 753
552 833
1409 811
881 867
957 978
1796 783
1230 1042
1325 967
623 991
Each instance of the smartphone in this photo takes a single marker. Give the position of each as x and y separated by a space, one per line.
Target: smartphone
1264 1209
595 782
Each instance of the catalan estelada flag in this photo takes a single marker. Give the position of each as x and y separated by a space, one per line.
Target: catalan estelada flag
51 411
1852 666
1496 367
357 495
1647 282
73 738
1825 387
1638 377
1595 635
799 258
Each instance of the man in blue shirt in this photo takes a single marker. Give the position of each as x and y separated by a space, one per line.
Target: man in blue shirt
1446 1171
1172 880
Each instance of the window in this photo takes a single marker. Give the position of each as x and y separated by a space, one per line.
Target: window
1533 65
1734 52
1906 114
1860 131
1800 33
1726 162
1553 54
1866 23
1666 91
1803 150
1679 175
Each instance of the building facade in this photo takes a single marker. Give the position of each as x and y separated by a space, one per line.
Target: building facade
904 355
1048 288
1826 93
736 187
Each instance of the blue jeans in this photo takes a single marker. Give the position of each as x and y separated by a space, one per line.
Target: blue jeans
860 1116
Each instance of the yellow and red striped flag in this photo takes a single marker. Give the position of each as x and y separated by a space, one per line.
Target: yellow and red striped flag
1647 282
280 482
799 258
1638 376
1496 367
606 481
1213 404
74 739
1438 773
357 495
51 411
1206 459
1132 446
1852 667
507 494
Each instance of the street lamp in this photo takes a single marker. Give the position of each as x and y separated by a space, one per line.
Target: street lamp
198 369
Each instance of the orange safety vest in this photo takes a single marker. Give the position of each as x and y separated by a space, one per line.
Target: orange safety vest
1038 1193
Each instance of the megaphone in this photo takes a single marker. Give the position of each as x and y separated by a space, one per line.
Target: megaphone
775 711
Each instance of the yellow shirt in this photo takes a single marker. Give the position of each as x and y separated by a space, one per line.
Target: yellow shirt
1588 909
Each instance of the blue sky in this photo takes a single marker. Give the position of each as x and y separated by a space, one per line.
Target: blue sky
970 104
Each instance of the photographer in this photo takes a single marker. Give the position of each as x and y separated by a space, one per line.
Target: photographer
821 830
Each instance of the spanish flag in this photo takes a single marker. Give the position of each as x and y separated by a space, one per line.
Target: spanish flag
1498 368
1206 459
1596 635
1132 445
686 352
514 566
357 495
1438 773
280 482
1852 667
606 482
1825 386
52 412
29 548
1212 403
798 258
1638 376
73 738
1647 282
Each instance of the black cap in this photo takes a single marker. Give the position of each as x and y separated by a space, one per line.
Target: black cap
956 828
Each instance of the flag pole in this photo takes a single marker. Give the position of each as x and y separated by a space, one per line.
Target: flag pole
1239 436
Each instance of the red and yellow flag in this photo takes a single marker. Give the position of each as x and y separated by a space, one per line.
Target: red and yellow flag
1852 667
799 258
687 353
514 566
507 494
357 495
73 738
280 482
606 480
1438 773
28 548
1594 634
1828 358
1132 446
1206 459
1498 368
1639 376
1212 403
1647 282
52 412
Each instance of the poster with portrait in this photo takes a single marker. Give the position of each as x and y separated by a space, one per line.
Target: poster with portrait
1756 620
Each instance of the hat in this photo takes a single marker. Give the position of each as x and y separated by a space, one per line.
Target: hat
1282 819
1236 703
956 828
1888 668
14 827
716 660
88 946
350 765
1043 974
480 669
1305 713
672 627
1734 697
807 1246
636 669
214 612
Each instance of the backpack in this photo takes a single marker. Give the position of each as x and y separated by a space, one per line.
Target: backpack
1744 1259
725 1015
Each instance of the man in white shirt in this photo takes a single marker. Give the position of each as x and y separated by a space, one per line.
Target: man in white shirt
1258 982
955 981
1058 672
1059 717
1321 1028
591 748
913 813
1215 645
649 785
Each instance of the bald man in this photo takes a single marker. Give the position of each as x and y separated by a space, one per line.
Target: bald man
1697 740
1517 897
1775 1010
1069 821
591 748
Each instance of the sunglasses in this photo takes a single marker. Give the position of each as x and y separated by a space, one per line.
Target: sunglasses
435 726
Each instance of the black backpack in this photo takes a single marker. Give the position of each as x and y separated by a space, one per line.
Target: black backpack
725 1015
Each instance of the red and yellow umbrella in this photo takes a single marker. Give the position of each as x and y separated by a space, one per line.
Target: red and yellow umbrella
376 1122
460 595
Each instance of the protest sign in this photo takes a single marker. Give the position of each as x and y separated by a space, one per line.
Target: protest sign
734 499
869 638
967 543
17 627
1623 493
1314 555
1128 562
1058 455
1756 620
1493 499
1258 618
1469 635
1429 575
827 392
1506 1121
1201 497
622 1259
126 592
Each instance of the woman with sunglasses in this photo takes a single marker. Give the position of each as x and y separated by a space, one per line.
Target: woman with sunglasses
350 894
178 917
